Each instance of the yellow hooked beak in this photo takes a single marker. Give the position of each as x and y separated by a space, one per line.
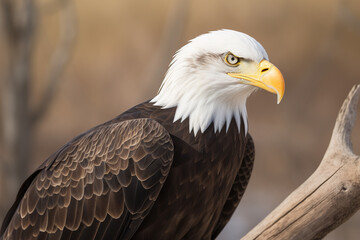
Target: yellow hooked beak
267 77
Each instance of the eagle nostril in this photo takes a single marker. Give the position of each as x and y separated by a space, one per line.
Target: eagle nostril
264 70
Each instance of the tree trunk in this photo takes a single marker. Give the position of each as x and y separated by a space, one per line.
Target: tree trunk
19 19
18 118
329 197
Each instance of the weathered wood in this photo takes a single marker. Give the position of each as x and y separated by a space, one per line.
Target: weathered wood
329 197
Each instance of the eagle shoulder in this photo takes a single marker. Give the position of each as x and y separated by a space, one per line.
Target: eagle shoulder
107 178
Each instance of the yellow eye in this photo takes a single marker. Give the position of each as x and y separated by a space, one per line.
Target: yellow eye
232 60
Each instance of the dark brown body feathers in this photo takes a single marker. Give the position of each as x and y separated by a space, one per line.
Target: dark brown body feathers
138 176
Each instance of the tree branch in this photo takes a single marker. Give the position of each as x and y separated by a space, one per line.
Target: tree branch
59 59
347 16
329 197
341 137
171 40
20 24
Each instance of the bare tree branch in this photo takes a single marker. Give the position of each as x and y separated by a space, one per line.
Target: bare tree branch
19 30
59 59
329 197
341 136
17 123
347 16
171 40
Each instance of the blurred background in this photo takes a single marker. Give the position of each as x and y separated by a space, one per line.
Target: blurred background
66 66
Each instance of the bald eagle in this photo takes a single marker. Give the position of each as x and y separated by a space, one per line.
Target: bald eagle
173 167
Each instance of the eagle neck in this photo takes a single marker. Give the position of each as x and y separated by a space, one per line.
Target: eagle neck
201 114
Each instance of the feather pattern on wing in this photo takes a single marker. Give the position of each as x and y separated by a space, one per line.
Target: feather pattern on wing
108 178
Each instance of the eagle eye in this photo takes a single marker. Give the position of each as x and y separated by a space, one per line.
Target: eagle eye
232 60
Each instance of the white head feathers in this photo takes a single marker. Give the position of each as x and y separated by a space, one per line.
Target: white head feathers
197 84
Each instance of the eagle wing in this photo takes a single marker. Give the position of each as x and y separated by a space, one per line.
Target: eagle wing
101 185
238 188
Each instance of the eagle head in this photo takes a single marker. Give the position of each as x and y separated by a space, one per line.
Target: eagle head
210 78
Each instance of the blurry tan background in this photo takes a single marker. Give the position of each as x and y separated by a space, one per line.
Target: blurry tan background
119 43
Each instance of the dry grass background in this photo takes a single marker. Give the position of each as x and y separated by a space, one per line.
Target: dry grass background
314 43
